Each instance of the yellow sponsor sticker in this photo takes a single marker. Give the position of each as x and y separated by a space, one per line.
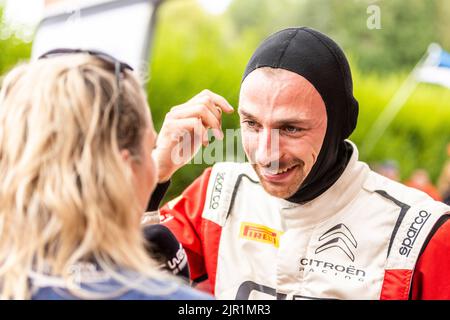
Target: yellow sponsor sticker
260 233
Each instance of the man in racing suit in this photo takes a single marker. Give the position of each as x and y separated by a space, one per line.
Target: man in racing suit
306 219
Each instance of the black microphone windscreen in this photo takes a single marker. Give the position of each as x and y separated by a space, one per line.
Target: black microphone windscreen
163 246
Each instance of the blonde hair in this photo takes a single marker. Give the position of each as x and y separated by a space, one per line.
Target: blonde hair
66 194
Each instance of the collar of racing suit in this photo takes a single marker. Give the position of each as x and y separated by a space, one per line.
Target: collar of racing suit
346 187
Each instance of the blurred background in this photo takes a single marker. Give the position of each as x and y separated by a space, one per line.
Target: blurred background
206 44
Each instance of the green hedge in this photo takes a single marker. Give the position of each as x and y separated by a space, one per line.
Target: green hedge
419 133
12 49
201 51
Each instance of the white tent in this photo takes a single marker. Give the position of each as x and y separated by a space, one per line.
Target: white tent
121 28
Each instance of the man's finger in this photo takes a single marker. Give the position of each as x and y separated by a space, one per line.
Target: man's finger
209 102
193 126
201 112
218 100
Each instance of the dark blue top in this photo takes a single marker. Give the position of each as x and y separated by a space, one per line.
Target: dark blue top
112 289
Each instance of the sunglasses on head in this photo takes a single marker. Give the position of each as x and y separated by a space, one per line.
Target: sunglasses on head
118 66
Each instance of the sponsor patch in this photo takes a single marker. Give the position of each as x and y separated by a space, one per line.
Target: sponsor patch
216 190
260 233
413 232
340 237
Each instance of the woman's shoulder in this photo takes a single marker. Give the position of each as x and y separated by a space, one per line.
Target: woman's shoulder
148 289
166 291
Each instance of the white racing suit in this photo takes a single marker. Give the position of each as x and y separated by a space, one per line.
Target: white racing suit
361 239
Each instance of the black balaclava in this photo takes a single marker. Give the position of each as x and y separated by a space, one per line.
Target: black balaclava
321 61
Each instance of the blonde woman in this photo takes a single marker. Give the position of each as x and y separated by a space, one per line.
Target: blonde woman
76 172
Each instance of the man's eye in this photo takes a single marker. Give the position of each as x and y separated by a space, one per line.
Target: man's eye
250 124
290 129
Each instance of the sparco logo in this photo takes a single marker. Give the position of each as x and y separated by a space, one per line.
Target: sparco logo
341 238
216 190
413 232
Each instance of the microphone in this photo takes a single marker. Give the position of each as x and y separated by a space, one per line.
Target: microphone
165 248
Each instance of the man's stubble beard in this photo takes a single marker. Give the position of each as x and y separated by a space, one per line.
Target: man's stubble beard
281 191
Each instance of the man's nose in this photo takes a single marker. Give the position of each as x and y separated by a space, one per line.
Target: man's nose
268 148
